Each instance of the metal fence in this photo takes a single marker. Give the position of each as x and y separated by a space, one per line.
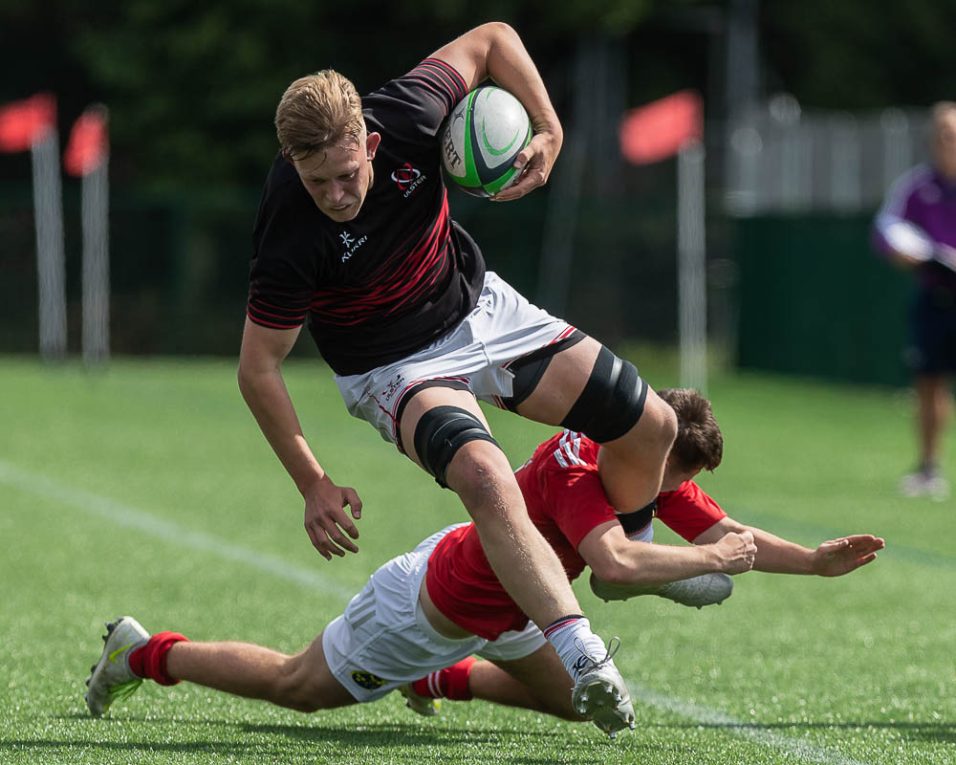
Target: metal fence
782 159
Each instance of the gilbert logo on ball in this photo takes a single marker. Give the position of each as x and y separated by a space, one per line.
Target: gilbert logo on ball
481 139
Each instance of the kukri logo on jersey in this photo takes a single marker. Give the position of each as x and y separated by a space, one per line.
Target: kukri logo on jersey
351 244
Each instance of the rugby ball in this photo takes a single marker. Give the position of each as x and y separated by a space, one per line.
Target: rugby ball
481 139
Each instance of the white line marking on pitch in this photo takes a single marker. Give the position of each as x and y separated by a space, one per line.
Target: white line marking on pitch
751 731
130 517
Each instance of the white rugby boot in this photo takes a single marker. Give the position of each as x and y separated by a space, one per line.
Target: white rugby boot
600 693
699 591
696 591
111 678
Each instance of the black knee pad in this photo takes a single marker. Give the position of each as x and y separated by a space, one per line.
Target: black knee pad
441 432
612 401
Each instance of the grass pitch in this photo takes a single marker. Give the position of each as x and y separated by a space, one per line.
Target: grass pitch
147 489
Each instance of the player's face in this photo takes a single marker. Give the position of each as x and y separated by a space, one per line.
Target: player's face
338 178
944 145
674 476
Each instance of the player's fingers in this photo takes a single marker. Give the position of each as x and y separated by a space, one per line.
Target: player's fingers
859 549
322 527
866 549
319 542
532 178
342 521
351 499
343 543
746 562
337 541
843 544
332 527
867 541
330 545
852 565
537 152
524 157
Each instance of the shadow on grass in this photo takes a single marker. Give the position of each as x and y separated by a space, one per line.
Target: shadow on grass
384 734
362 736
402 741
942 732
399 744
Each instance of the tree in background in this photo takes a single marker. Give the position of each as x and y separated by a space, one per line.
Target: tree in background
192 86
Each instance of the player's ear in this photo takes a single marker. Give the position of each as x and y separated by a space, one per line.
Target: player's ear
372 140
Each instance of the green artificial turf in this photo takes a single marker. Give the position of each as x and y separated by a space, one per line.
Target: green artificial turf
147 489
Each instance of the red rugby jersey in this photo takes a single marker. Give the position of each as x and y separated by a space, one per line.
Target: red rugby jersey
566 501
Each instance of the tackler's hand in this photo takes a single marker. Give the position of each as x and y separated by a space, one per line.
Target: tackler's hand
736 552
837 557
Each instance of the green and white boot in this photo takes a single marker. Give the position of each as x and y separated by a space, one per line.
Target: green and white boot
111 678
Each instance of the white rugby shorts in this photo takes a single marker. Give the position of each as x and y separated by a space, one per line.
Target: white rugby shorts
383 639
502 327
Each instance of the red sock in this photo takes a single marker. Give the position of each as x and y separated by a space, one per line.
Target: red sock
149 661
448 683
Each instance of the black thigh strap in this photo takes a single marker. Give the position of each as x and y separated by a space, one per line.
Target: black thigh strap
528 370
612 401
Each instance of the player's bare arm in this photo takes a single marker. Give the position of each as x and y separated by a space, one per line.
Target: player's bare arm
615 559
494 50
780 556
260 380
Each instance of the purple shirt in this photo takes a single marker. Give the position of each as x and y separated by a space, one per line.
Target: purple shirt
918 214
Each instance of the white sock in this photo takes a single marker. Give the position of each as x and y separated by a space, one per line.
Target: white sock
572 638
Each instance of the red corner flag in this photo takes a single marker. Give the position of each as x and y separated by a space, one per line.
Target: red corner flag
24 123
89 142
657 131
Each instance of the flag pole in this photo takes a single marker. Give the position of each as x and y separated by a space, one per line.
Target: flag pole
692 266
87 155
653 132
51 261
30 125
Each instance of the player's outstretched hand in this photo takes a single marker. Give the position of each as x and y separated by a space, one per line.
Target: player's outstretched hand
326 519
737 552
535 161
837 557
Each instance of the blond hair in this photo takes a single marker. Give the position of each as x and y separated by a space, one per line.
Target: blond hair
316 111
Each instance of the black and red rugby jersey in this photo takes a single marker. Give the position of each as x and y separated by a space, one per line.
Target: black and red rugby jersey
389 282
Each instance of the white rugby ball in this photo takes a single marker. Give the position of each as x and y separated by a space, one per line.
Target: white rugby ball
481 139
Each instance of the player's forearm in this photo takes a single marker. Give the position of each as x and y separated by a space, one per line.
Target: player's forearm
267 398
774 554
509 64
647 564
778 556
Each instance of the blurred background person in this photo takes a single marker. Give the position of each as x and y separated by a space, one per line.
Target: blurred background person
916 229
